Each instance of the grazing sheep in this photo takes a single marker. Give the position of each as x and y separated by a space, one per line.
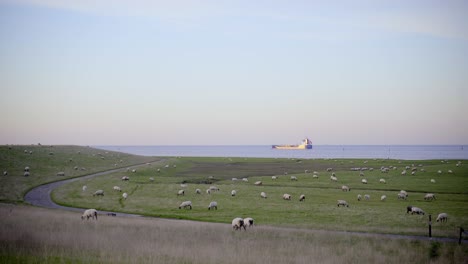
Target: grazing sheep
366 196
234 179
383 197
98 192
181 192
26 174
151 179
301 198
214 188
5 173
84 188
89 213
345 188
26 168
401 196
61 173
185 205
382 181
183 185
439 171
417 210
333 178
429 196
359 197
125 195
233 193
433 181
134 170
286 196
342 203
315 176
442 217
404 193
274 177
208 191
213 205
329 169
409 208
125 178
117 188
198 191
293 178
450 171
248 222
245 180
263 195
258 183
238 223
403 172
364 181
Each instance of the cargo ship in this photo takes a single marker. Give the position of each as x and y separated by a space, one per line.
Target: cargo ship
306 144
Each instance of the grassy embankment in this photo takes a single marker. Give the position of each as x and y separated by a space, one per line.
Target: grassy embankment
36 235
319 211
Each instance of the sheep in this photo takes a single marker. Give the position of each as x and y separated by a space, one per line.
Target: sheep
263 195
403 172
258 183
333 178
198 191
185 205
409 208
5 173
134 170
89 213
417 210
315 176
286 196
442 217
342 202
404 193
329 169
382 181
26 174
429 196
151 179
61 173
233 193
245 180
364 181
345 188
238 223
401 196
234 179
450 171
359 197
301 198
213 205
181 192
84 188
274 177
293 178
183 185
439 172
125 178
366 196
433 181
383 198
214 188
117 188
26 168
125 195
248 222
98 192
208 191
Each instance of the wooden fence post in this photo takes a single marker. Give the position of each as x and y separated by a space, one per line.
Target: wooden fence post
430 226
461 233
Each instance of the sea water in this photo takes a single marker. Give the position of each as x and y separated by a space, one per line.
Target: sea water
405 152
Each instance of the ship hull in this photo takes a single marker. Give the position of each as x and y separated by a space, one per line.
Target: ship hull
292 146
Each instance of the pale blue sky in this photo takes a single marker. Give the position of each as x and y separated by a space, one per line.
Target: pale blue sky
233 72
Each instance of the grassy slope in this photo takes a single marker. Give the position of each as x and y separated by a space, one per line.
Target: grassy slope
319 211
46 161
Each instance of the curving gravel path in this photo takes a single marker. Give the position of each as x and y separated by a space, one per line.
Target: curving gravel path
40 196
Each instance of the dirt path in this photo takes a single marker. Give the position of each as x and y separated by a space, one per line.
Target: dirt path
40 196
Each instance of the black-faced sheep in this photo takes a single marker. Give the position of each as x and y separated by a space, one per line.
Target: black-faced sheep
258 183
117 188
263 195
233 193
213 205
286 196
417 210
442 217
89 213
248 222
301 198
342 203
409 208
181 192
345 188
429 196
185 205
98 193
359 197
125 178
238 223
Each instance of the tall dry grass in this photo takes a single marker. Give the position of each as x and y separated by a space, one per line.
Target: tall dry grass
36 235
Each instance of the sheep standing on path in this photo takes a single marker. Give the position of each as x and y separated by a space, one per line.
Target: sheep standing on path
248 222
89 213
238 223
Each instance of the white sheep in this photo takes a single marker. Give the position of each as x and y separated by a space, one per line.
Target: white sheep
26 168
403 172
301 198
293 178
329 169
213 205
333 178
402 196
417 210
89 213
274 177
342 203
364 181
134 170
234 179
233 193
263 195
286 196
315 176
181 192
84 188
359 197
442 217
98 192
248 222
245 180
382 181
383 197
125 195
433 181
125 178
366 196
183 185
185 205
238 223
26 174
345 188
5 173
198 191
214 188
450 171
151 179
258 183
439 171
429 196
117 188
208 191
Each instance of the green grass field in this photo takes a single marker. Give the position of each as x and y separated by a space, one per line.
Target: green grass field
318 211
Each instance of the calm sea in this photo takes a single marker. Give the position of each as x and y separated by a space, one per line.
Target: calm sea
405 152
